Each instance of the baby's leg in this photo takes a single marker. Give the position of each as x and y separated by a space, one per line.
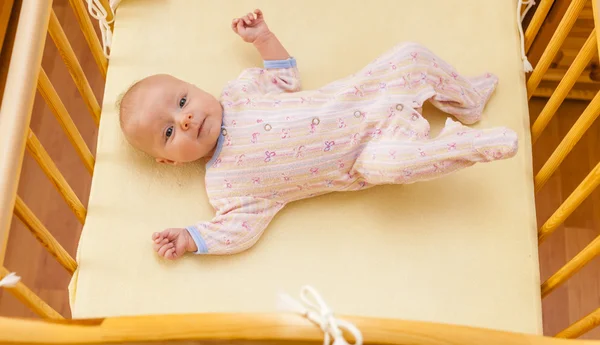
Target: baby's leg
463 97
390 161
455 94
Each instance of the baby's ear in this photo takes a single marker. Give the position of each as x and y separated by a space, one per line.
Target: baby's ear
167 161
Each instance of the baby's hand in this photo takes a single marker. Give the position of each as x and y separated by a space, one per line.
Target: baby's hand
250 26
173 243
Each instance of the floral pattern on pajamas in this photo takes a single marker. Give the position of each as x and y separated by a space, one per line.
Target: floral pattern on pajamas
280 144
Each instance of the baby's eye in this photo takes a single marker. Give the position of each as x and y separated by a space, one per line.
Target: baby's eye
182 102
169 132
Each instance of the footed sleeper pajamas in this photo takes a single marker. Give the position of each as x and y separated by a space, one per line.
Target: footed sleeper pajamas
279 144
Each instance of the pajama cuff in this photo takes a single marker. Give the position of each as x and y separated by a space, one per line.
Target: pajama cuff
202 248
287 63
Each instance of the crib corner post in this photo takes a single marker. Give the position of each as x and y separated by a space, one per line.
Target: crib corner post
17 104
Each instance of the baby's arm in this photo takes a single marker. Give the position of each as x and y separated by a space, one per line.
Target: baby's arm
252 28
280 73
239 223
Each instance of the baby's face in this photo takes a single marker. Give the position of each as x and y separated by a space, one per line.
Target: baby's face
172 120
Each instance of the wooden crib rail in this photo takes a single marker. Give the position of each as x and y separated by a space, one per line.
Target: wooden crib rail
17 104
36 18
589 50
46 89
536 22
90 34
68 55
565 26
31 300
253 329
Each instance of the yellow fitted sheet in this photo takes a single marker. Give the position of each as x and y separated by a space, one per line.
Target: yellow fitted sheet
461 249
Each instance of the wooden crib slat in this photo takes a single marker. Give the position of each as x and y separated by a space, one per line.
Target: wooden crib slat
536 22
70 59
582 124
585 55
583 190
109 14
582 326
59 110
17 104
30 299
554 45
38 152
574 94
44 236
596 15
89 33
573 266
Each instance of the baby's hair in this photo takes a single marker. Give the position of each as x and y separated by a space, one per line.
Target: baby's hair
122 103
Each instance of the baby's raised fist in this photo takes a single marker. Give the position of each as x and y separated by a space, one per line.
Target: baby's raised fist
250 26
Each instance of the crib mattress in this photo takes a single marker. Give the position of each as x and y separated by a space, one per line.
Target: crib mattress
461 249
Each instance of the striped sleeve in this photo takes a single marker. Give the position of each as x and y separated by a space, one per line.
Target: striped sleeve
237 226
277 76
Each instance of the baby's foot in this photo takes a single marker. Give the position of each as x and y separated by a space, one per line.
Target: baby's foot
497 143
173 243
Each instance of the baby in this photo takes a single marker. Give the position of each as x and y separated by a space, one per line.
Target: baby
269 143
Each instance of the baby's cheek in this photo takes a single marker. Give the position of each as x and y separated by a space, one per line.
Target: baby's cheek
192 150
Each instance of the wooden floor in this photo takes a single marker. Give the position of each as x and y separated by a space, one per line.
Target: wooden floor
578 297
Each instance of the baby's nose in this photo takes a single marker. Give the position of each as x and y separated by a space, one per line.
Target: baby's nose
186 121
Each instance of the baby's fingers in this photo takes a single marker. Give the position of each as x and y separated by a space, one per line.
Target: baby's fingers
171 254
248 18
258 13
240 26
163 250
161 243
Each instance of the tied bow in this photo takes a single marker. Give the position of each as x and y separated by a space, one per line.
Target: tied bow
314 308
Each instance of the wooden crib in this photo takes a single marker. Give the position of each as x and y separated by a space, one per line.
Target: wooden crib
25 76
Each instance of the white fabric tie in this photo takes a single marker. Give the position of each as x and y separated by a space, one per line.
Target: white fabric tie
526 64
316 310
98 12
10 280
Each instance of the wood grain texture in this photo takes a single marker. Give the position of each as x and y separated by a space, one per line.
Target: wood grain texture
38 269
46 89
17 104
583 190
582 326
579 295
261 328
70 59
44 236
39 153
573 266
536 22
596 17
575 93
5 10
30 299
570 78
589 83
91 36
554 45
579 128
